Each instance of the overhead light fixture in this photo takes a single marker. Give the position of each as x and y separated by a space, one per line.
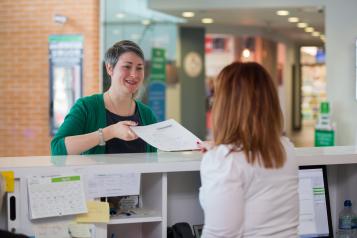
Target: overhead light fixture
188 14
282 13
309 29
316 33
302 25
293 19
207 20
146 22
246 53
120 15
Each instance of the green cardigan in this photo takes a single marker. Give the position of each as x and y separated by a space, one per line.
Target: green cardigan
88 115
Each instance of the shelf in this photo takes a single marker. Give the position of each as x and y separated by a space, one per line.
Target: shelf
140 216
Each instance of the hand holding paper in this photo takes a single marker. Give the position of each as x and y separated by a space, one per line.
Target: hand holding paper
167 135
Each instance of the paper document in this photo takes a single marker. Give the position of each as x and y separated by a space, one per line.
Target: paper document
81 230
167 135
56 196
56 229
98 212
113 184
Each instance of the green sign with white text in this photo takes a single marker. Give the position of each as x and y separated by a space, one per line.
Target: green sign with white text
324 138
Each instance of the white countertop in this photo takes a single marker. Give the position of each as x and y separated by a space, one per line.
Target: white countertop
166 161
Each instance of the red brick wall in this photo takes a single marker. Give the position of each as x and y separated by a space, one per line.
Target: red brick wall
24 71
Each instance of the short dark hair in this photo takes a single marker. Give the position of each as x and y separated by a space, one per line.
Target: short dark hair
113 53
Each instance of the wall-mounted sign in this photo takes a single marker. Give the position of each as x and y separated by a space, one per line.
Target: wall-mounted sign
65 66
157 85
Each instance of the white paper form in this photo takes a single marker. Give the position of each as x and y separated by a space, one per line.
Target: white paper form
52 230
113 184
167 135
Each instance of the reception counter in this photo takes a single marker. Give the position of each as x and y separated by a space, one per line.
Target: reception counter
169 186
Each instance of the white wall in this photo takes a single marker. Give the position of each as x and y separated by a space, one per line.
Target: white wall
341 34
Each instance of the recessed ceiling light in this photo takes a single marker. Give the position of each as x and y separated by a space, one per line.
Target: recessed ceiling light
120 15
146 22
293 19
309 29
207 20
316 33
282 13
302 25
188 14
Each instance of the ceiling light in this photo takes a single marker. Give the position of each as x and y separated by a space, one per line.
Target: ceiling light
246 53
188 14
315 33
293 19
207 20
146 22
302 25
282 13
309 29
120 15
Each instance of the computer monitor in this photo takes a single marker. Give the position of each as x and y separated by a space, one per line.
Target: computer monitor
315 214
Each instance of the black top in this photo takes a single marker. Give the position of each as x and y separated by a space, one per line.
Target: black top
115 145
6 234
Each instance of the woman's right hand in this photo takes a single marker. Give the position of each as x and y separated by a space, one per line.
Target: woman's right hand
204 146
122 130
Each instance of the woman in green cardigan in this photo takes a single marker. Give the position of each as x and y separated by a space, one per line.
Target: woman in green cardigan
100 124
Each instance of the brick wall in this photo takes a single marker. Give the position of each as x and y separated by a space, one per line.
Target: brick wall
24 71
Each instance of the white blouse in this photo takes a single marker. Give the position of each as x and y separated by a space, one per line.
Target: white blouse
242 200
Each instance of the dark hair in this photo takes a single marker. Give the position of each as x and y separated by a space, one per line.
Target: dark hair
246 114
113 53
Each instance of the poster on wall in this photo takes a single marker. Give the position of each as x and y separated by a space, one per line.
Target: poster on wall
157 85
66 67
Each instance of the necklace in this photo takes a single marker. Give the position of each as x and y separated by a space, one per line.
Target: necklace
116 109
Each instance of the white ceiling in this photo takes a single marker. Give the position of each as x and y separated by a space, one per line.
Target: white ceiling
236 20
264 19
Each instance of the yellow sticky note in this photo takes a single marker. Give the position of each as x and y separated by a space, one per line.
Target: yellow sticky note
98 212
9 181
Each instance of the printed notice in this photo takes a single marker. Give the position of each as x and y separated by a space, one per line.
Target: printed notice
113 184
167 135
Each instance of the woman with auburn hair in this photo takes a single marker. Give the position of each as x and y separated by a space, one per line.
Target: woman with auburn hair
249 176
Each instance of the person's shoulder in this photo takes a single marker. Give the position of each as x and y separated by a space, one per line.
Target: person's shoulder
223 154
221 160
92 101
92 98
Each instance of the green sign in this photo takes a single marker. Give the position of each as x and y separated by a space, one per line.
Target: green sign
158 65
157 85
324 138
